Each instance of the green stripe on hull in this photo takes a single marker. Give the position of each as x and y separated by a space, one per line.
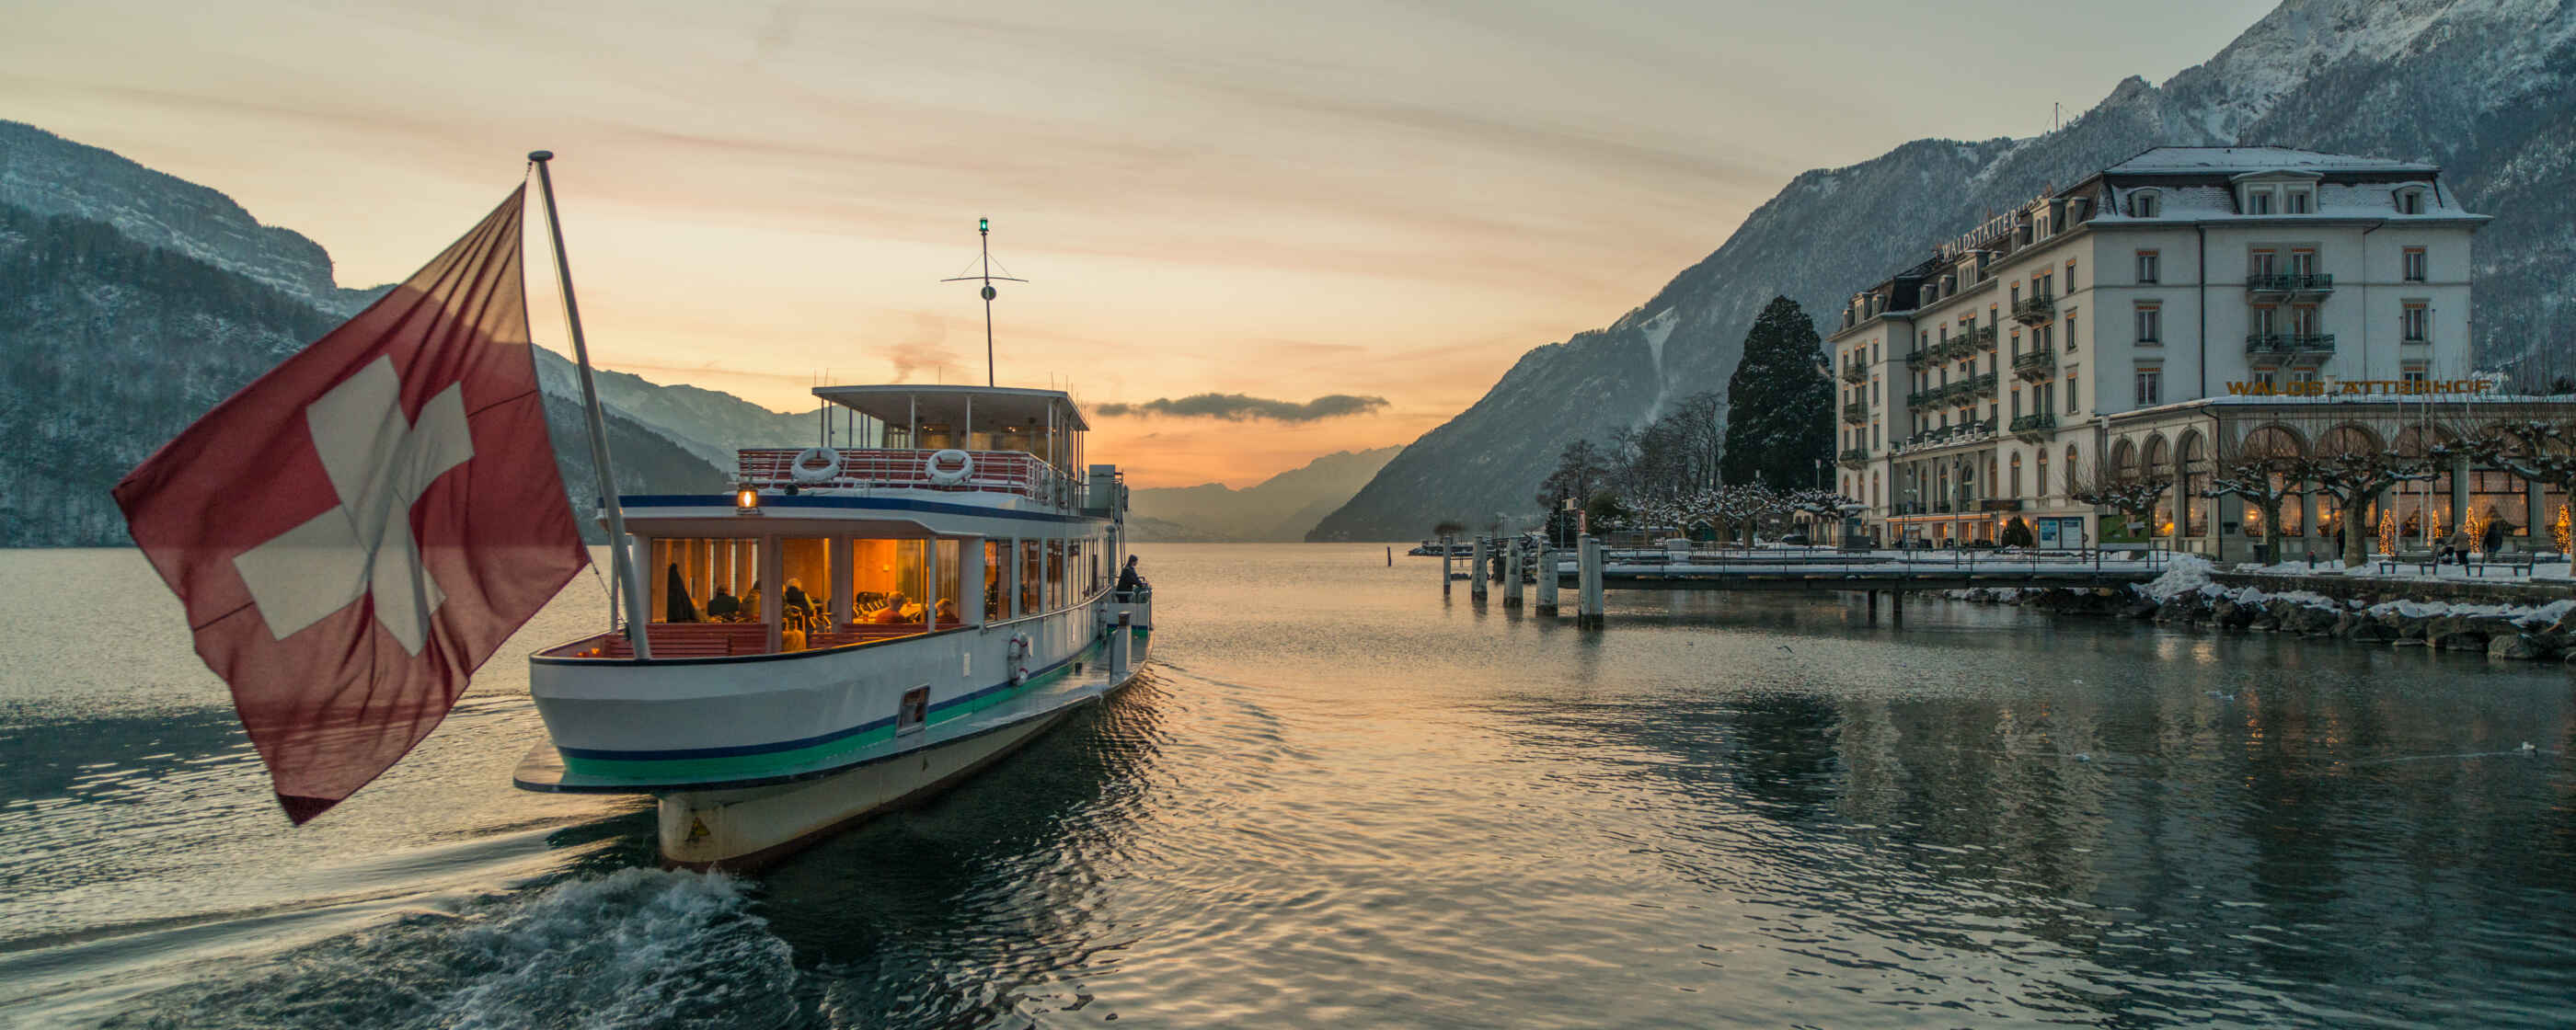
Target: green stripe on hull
827 755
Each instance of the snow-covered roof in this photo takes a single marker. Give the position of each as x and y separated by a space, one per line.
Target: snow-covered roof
2232 160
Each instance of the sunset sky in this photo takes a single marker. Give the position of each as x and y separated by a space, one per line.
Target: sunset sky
1280 200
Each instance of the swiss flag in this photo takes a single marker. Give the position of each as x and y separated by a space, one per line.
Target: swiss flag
357 531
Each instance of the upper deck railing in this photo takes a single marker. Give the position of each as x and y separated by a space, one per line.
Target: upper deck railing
1017 473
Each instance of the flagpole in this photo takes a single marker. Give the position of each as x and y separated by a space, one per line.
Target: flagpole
621 563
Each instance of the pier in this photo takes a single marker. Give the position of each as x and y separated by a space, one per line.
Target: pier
1592 569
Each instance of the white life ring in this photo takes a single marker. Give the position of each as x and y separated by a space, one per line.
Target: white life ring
1018 658
936 466
827 472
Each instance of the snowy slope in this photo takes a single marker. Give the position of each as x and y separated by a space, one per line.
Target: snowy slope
2481 87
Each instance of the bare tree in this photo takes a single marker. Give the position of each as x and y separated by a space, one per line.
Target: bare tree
2131 493
2349 467
2265 467
2533 450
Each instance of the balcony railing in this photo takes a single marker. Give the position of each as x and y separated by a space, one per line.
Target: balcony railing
1855 373
2292 347
2035 365
1980 338
1856 412
1961 433
1923 356
2289 283
1979 386
2034 425
2035 310
1855 456
1006 472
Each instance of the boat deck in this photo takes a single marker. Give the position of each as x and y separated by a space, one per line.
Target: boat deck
729 639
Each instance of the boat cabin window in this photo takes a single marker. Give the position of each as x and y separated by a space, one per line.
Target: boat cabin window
1032 576
996 574
705 580
806 588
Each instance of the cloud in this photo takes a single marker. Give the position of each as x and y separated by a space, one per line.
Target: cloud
926 350
1235 407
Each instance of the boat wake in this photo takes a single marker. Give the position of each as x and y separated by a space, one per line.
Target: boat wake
636 947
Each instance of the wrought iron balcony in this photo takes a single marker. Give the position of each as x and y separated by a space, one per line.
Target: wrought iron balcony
1855 373
1856 412
2035 365
1855 457
2035 310
1981 338
2032 427
2289 284
1980 386
2289 348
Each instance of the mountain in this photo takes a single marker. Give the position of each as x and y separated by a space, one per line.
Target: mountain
2485 88
131 302
1282 507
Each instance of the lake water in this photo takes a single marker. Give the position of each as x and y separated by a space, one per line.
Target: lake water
1339 800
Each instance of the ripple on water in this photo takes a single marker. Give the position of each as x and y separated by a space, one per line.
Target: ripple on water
636 947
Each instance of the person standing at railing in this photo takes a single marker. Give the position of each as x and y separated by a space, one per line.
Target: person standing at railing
1129 580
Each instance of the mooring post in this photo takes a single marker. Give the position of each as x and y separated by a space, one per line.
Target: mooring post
1588 615
1547 562
1476 571
1444 564
1896 606
1512 574
1873 607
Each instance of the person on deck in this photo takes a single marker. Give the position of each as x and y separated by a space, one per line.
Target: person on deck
1129 580
892 613
723 607
793 600
677 607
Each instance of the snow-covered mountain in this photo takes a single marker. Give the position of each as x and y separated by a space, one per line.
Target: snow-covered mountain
2485 88
131 302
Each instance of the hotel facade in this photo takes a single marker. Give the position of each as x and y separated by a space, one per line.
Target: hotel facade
2145 316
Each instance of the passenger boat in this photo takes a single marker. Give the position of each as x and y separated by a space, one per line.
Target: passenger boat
853 627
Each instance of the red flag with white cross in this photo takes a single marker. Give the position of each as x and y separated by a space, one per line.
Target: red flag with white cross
355 532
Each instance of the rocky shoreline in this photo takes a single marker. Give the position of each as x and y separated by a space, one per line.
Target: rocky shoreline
2516 621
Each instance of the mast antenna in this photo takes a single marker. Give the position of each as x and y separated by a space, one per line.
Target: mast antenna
984 234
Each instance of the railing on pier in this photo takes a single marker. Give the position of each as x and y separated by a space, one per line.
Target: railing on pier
1007 472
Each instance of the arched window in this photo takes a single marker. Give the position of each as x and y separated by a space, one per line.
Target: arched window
2070 468
2039 483
2016 474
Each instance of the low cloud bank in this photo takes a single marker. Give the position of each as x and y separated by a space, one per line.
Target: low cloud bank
1236 407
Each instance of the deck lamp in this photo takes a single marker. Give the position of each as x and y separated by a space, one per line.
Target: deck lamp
746 501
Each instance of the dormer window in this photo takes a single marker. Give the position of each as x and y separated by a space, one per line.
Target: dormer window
2296 202
2410 201
2258 201
2145 204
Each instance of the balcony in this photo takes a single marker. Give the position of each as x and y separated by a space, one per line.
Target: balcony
1978 386
1855 457
1922 357
2034 427
2035 366
1855 373
1856 412
2288 285
2272 349
1964 432
2035 310
1982 338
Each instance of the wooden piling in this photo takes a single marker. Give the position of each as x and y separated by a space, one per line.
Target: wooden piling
1512 573
1444 565
1476 571
1547 562
1588 615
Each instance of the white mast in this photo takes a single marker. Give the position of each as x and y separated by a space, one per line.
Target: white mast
620 562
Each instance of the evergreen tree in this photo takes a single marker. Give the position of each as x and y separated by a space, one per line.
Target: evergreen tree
1780 403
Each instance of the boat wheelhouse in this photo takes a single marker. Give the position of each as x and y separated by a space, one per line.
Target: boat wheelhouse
933 580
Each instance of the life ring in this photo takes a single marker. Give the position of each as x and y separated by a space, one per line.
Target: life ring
1017 657
936 466
827 472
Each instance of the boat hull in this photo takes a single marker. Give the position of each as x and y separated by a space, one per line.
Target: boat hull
748 828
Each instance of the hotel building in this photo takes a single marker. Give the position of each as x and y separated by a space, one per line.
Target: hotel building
2179 299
